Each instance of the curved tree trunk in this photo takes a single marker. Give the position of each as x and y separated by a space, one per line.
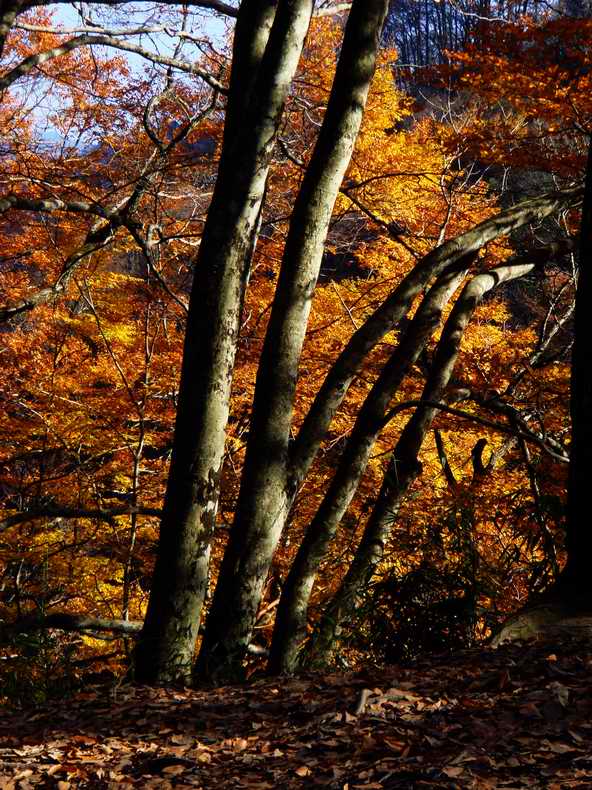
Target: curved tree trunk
390 312
263 68
265 494
404 466
291 618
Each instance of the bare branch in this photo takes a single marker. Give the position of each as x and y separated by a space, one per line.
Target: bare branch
33 61
213 5
142 30
66 512
533 438
20 203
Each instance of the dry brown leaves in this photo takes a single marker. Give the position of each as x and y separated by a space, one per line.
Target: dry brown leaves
518 717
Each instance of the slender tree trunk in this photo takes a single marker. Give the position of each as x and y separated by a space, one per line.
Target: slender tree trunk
334 389
576 579
8 14
261 77
404 466
265 494
291 619
390 312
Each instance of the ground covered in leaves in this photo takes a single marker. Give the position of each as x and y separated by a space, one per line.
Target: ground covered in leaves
516 717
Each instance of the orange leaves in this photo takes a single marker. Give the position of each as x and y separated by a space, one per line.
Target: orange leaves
529 86
92 400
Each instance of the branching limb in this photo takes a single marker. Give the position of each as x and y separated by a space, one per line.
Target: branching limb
213 5
527 436
64 621
392 310
101 233
101 514
86 39
19 203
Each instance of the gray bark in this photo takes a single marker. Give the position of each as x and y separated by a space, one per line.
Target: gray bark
165 650
336 384
8 14
387 316
63 621
291 619
405 466
265 494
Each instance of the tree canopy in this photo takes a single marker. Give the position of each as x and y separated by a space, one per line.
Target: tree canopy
288 329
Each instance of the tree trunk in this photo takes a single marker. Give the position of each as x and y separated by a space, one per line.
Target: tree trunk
387 316
265 494
390 312
290 624
558 607
576 580
262 74
405 466
8 14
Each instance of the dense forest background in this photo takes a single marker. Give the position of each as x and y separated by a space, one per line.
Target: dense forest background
394 485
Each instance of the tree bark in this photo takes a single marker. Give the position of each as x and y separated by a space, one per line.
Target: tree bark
405 466
291 619
63 621
387 316
8 14
576 581
165 650
265 494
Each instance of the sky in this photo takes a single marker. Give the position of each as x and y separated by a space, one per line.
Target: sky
212 26
204 23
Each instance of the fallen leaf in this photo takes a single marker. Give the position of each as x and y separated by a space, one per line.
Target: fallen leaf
22 775
561 693
174 770
453 771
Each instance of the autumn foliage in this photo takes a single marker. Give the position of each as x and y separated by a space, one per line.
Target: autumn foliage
107 169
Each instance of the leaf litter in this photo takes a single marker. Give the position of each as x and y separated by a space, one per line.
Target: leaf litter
516 717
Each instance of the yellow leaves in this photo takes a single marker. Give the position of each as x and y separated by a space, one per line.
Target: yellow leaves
97 374
120 333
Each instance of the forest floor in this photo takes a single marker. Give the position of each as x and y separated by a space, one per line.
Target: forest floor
516 717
